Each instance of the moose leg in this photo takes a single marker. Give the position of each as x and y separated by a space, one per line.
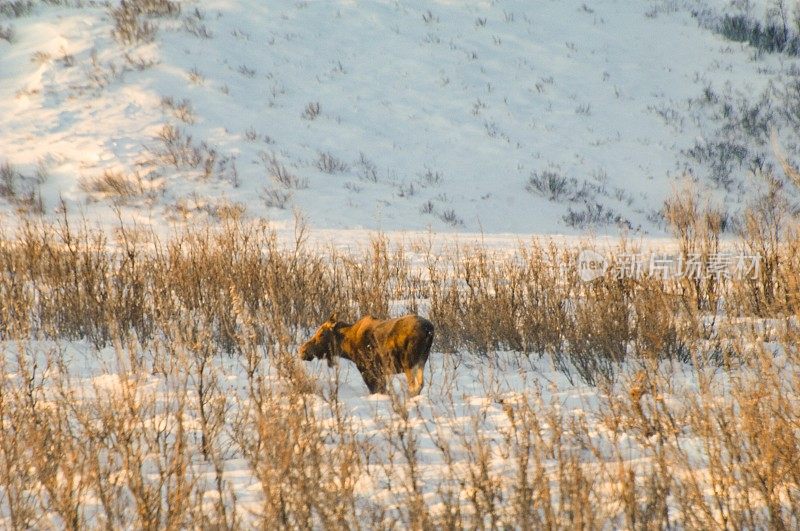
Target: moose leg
411 379
414 376
371 382
375 380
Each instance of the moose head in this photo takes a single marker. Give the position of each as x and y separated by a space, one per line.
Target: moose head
324 343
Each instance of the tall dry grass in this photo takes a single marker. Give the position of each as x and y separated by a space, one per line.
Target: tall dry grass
152 448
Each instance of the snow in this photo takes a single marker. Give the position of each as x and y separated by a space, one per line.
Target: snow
429 108
455 104
465 399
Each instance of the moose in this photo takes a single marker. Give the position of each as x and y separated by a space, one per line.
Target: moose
379 348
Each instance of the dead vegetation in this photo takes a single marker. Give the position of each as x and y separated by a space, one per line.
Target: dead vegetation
121 188
22 191
132 19
147 444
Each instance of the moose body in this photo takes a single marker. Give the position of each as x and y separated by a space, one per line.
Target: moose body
379 348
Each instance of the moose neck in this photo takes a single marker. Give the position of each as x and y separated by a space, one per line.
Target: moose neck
343 348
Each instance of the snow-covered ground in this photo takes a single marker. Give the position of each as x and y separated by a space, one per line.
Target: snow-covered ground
393 115
468 406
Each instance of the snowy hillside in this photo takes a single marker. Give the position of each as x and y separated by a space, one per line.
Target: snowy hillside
502 116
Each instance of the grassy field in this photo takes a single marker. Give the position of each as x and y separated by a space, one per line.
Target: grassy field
153 384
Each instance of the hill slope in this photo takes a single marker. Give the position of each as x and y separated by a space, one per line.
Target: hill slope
461 116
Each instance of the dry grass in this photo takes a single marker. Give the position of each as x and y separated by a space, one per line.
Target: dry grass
116 185
131 24
150 449
20 190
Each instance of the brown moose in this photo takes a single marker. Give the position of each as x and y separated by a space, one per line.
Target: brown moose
378 348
